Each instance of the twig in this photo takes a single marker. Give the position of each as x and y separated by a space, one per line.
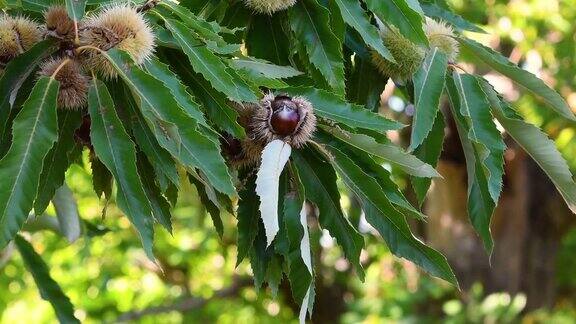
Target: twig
189 303
148 5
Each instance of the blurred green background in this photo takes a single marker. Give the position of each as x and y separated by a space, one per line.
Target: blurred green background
108 277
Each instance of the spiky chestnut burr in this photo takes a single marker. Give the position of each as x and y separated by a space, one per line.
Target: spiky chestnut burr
73 83
17 35
120 27
290 119
58 23
408 56
441 35
269 6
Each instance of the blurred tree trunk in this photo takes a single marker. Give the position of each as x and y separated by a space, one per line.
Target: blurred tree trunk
527 227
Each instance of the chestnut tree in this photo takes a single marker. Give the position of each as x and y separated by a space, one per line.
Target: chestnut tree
263 106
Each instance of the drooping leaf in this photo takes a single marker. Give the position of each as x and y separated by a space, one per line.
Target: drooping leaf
266 39
15 73
406 15
475 108
101 178
329 106
537 145
49 289
319 179
34 133
160 159
248 218
364 87
274 158
390 223
310 23
429 152
172 127
67 213
386 151
428 86
115 149
435 11
480 203
521 77
357 18
158 203
58 159
212 205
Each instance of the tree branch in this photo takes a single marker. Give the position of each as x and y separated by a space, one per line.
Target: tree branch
188 303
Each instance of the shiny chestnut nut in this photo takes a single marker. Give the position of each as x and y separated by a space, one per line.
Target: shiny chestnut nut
285 117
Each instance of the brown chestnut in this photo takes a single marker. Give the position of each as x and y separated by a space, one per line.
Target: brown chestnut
285 116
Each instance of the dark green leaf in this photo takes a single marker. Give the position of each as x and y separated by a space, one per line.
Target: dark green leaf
173 128
159 204
310 23
429 152
101 178
49 289
358 19
67 213
248 218
406 15
115 149
480 203
58 159
16 72
35 131
390 223
319 179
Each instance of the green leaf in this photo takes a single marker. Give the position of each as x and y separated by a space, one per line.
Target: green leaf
76 9
327 105
211 204
58 159
209 65
387 151
160 159
364 84
67 213
358 19
537 145
265 68
406 15
390 223
172 127
158 203
435 11
216 105
101 178
319 179
429 152
475 108
161 72
521 77
310 23
16 72
428 86
266 39
260 256
49 289
480 203
34 133
115 149
248 218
